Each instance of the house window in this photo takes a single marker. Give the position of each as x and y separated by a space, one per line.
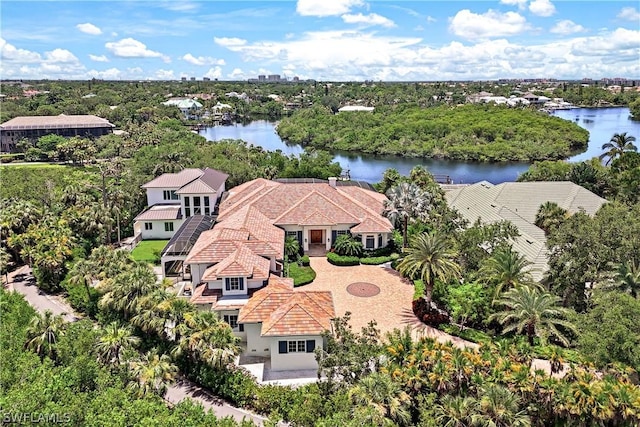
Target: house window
234 283
168 226
148 226
232 320
187 208
170 195
370 242
341 232
292 234
207 209
379 240
196 206
296 346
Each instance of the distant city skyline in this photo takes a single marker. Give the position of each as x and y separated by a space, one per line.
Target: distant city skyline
330 40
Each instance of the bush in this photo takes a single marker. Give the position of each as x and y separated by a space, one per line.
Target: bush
77 297
380 252
346 245
468 334
375 260
305 261
429 313
232 383
419 289
301 275
342 261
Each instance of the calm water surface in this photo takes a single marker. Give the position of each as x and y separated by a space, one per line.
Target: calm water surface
601 123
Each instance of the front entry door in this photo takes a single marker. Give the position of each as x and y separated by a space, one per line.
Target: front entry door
316 236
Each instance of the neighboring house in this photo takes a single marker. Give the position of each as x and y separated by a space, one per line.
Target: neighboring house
188 107
33 127
349 108
173 197
519 202
236 266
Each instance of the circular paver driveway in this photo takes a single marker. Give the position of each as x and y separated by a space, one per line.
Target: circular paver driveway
363 289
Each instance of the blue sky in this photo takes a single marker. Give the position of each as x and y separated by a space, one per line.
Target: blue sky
320 39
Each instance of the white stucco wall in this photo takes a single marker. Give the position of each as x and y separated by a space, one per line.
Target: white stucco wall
197 270
256 344
236 331
385 240
156 195
157 232
291 361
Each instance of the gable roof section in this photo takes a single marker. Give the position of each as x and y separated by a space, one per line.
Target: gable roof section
174 180
518 202
197 186
160 212
284 311
240 263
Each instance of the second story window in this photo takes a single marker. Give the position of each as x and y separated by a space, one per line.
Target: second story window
187 206
207 210
170 195
196 206
234 283
148 226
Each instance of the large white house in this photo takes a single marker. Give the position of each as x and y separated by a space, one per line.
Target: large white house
236 266
173 197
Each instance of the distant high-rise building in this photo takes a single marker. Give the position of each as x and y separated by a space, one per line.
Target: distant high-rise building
206 79
296 79
184 79
274 77
262 78
193 79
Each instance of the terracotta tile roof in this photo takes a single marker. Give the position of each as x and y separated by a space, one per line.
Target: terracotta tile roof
160 212
203 295
56 122
284 311
370 225
240 263
174 180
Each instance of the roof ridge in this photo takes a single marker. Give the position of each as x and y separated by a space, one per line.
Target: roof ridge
357 202
329 293
292 305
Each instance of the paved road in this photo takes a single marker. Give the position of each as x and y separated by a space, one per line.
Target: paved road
23 282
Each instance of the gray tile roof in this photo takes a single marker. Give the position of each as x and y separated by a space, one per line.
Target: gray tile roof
174 180
519 202
160 212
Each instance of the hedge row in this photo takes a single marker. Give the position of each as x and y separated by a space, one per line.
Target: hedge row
376 260
342 261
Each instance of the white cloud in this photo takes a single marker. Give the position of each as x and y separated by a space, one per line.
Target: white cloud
326 7
110 74
431 19
88 28
214 73
165 75
61 56
367 20
100 58
542 8
566 26
519 3
229 41
10 53
237 74
202 60
629 14
490 24
132 48
179 6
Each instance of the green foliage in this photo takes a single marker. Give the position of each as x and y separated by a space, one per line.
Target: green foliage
348 246
149 251
301 275
305 261
477 242
291 248
419 289
469 334
80 301
376 260
468 303
342 261
469 132
610 330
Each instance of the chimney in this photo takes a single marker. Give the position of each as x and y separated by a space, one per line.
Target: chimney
332 181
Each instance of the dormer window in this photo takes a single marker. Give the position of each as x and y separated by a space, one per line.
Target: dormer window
234 283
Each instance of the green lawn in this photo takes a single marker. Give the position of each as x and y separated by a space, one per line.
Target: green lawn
147 250
301 275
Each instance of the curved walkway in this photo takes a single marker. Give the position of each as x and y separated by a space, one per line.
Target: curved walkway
22 282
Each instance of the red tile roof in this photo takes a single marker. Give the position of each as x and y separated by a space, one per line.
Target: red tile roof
284 311
242 262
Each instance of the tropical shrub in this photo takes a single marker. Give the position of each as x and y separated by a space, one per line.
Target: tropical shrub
376 260
301 275
342 261
428 313
347 245
304 261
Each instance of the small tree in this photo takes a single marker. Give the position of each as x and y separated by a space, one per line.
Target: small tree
291 248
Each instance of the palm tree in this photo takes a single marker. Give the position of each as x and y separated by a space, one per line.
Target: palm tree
153 373
506 269
203 336
82 274
550 216
43 333
115 341
430 257
628 278
455 411
499 407
533 312
406 202
291 247
380 392
619 143
347 245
